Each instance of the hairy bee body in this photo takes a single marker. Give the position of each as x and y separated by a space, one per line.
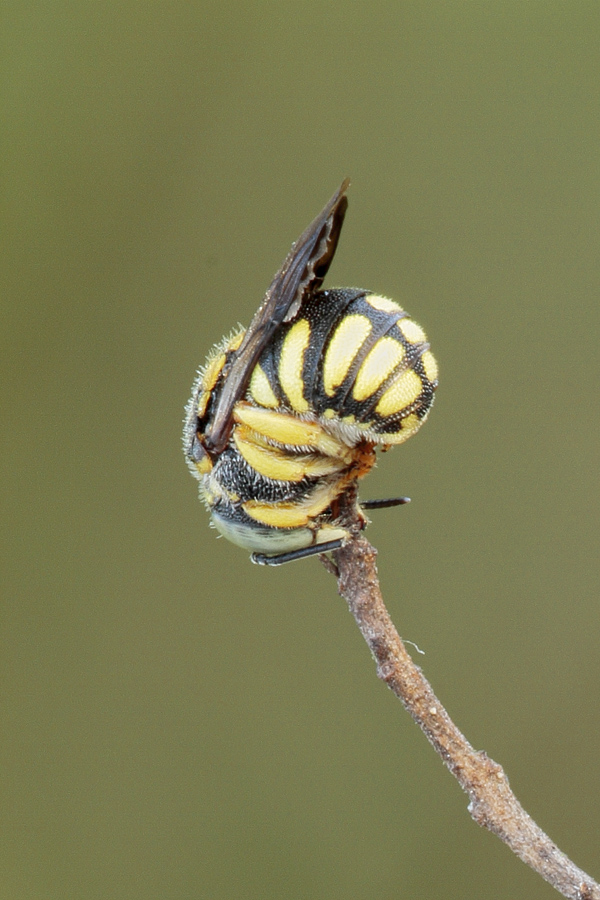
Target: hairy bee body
349 371
285 416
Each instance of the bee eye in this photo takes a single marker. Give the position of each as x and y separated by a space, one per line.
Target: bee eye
285 417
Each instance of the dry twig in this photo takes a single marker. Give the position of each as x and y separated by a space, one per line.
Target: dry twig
491 802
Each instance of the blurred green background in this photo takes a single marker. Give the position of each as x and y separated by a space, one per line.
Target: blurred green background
177 723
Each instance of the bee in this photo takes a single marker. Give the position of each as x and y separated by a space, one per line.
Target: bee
285 417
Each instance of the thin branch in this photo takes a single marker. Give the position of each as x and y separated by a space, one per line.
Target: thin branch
492 804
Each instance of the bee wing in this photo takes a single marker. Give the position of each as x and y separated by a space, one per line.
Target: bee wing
303 270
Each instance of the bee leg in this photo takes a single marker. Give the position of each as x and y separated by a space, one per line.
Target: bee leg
384 504
314 550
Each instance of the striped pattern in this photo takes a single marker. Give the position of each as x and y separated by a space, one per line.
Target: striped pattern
353 356
285 416
350 370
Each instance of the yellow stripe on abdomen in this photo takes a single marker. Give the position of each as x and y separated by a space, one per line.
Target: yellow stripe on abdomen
291 363
383 304
347 340
430 366
261 390
400 394
285 428
275 463
379 363
413 333
293 515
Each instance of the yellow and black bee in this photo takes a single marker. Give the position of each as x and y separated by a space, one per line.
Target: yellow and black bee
284 417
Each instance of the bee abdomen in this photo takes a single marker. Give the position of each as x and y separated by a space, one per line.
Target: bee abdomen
352 358
239 478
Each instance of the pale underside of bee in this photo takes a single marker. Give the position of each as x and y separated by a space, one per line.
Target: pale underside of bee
276 439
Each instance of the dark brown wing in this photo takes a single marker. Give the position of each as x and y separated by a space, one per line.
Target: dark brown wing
304 269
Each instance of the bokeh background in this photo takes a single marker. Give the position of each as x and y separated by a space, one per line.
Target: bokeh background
177 723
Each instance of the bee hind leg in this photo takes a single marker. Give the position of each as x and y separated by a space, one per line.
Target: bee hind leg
262 559
385 503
